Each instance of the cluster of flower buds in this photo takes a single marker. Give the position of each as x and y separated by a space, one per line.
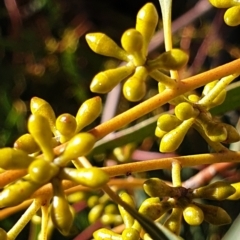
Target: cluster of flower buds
181 201
231 16
44 128
135 43
192 110
102 209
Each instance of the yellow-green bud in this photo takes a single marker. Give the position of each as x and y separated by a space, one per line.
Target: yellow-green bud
11 158
146 22
42 171
134 90
102 44
61 214
132 42
172 140
26 143
95 213
168 122
231 16
16 193
236 195
88 112
105 81
216 191
193 215
90 177
80 145
3 234
43 108
173 59
130 234
173 223
185 110
39 128
127 218
106 234
214 215
224 3
153 208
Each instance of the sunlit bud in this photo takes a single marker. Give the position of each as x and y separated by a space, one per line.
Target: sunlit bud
88 112
102 44
39 128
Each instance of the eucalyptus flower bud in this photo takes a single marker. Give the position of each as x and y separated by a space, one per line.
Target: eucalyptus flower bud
168 122
172 140
80 145
193 214
214 215
88 112
90 177
231 16
16 193
155 187
41 107
95 213
39 128
127 218
132 42
224 3
26 143
102 44
153 208
146 23
216 191
105 81
106 234
11 158
61 214
130 234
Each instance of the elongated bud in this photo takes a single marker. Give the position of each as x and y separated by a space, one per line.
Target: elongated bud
173 59
232 133
153 208
193 215
146 23
173 223
172 140
102 44
185 110
61 214
26 143
95 213
66 124
105 81
224 3
236 195
43 108
88 112
130 234
111 219
168 122
90 177
106 234
39 128
80 145
214 215
216 132
231 16
134 89
216 191
42 171
127 218
132 42
11 158
155 187
16 193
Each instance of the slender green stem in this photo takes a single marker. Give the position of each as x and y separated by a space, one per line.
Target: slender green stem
45 220
25 218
